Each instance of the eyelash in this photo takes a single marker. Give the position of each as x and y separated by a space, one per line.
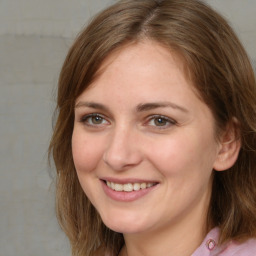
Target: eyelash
168 121
87 120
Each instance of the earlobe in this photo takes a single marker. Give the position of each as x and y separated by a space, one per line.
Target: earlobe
230 144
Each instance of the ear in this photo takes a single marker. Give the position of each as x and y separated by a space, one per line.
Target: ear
230 144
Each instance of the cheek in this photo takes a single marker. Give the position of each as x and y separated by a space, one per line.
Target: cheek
169 154
86 153
184 154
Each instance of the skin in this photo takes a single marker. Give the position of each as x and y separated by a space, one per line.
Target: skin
128 142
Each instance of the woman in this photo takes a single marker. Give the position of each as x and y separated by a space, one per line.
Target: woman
155 141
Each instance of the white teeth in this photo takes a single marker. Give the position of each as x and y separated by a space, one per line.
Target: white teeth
128 187
143 185
136 186
119 187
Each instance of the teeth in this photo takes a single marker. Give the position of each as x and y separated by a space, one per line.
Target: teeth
119 187
128 187
136 186
143 185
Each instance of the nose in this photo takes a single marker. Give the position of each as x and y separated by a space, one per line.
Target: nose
122 151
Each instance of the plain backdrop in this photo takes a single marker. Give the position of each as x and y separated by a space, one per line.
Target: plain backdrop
34 38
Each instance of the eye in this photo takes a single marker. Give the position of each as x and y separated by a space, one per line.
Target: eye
160 121
94 120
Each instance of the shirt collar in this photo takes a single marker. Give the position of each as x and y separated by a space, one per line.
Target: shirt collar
209 246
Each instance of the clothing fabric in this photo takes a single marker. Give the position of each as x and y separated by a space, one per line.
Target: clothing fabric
209 247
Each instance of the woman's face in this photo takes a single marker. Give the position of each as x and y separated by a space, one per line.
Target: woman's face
143 143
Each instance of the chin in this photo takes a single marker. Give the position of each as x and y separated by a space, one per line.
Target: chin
125 225
125 228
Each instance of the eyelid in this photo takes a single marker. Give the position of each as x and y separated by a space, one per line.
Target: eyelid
167 119
83 119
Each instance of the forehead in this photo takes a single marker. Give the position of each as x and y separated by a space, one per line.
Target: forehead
146 48
141 73
150 52
138 63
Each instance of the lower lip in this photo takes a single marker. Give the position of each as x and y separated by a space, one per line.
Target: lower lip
124 196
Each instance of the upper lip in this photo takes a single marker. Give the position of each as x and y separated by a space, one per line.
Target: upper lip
127 180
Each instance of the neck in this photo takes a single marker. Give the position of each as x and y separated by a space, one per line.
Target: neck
172 244
178 238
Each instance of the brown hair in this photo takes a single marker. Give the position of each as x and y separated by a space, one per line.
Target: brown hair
222 74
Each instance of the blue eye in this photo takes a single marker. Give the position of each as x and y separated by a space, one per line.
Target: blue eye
161 121
93 120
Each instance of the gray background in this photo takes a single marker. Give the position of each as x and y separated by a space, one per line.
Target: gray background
34 39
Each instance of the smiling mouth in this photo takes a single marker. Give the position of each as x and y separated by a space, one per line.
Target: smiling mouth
129 187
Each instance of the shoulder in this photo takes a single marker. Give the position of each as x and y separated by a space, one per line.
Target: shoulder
247 248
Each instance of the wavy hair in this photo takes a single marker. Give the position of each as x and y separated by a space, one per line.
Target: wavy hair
221 73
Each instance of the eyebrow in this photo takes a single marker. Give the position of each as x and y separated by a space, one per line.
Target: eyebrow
140 108
91 105
155 105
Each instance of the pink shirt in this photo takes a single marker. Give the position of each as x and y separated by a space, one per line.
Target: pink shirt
209 247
